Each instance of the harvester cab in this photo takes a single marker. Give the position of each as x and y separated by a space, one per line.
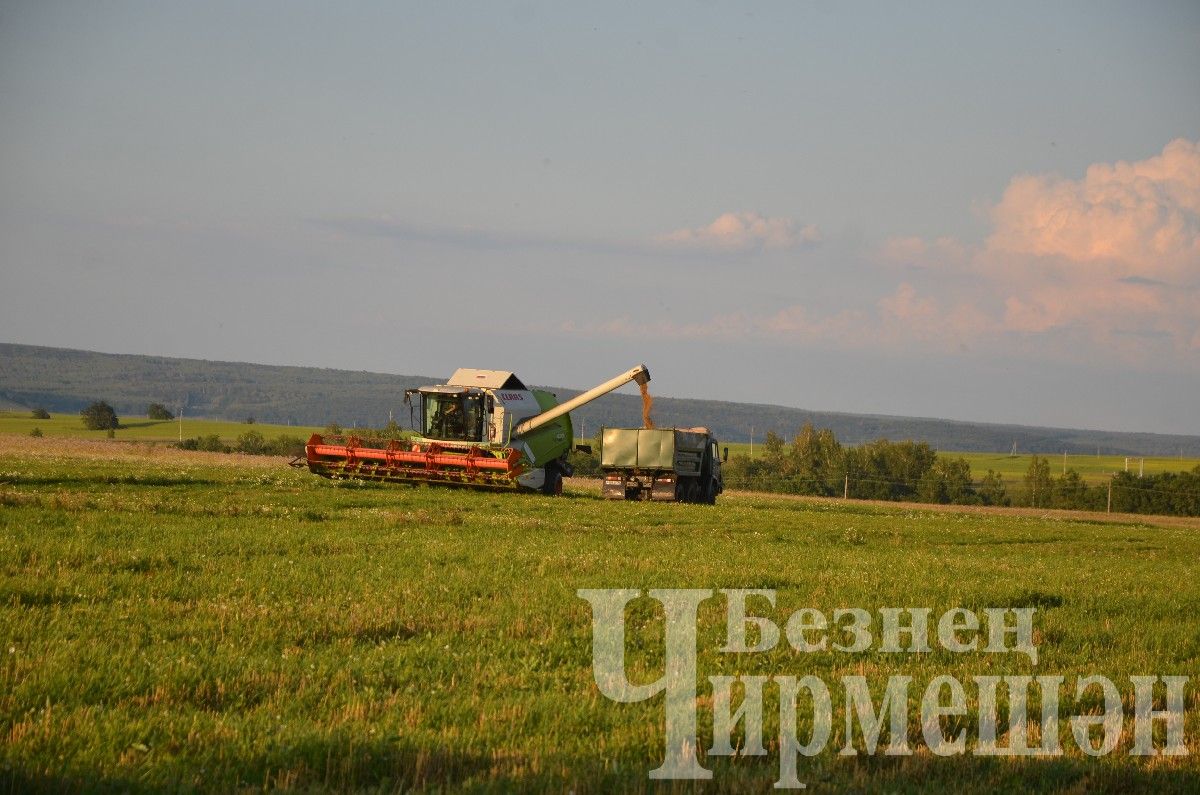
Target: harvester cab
483 429
474 406
443 415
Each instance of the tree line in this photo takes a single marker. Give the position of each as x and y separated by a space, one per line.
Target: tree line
814 462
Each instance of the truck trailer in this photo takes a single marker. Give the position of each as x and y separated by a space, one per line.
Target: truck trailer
661 464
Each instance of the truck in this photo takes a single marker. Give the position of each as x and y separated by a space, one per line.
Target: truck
482 429
661 464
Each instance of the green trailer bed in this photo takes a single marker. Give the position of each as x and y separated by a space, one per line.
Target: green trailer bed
660 463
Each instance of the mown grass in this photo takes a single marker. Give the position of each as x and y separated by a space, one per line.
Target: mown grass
175 621
143 429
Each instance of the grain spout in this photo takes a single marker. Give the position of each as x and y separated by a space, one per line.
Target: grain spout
647 404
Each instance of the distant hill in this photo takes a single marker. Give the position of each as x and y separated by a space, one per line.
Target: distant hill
62 379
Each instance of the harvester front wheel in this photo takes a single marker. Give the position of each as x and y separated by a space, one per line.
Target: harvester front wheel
552 486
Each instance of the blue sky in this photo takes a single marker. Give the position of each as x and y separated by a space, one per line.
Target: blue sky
933 209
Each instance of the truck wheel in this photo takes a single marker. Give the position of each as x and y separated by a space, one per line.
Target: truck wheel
693 492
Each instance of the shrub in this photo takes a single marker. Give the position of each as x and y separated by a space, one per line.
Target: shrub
157 411
251 443
211 444
586 465
991 490
292 446
948 480
36 433
1038 482
884 470
40 413
100 416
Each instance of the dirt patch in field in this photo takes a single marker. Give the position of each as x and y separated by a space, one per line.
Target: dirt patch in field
593 485
991 510
21 446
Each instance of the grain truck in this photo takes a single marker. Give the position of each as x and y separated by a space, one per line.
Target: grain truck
664 464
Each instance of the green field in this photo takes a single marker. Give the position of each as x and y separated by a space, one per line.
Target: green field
203 622
143 429
1094 469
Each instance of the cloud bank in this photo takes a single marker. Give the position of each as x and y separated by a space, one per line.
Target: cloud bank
1141 218
1113 255
1109 262
730 233
1104 265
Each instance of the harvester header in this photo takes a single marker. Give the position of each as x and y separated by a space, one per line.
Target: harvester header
482 429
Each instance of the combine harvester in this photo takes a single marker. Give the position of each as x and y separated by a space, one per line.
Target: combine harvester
483 429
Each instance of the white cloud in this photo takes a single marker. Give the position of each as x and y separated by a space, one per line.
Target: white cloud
1101 266
743 232
1114 255
1112 259
1139 219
